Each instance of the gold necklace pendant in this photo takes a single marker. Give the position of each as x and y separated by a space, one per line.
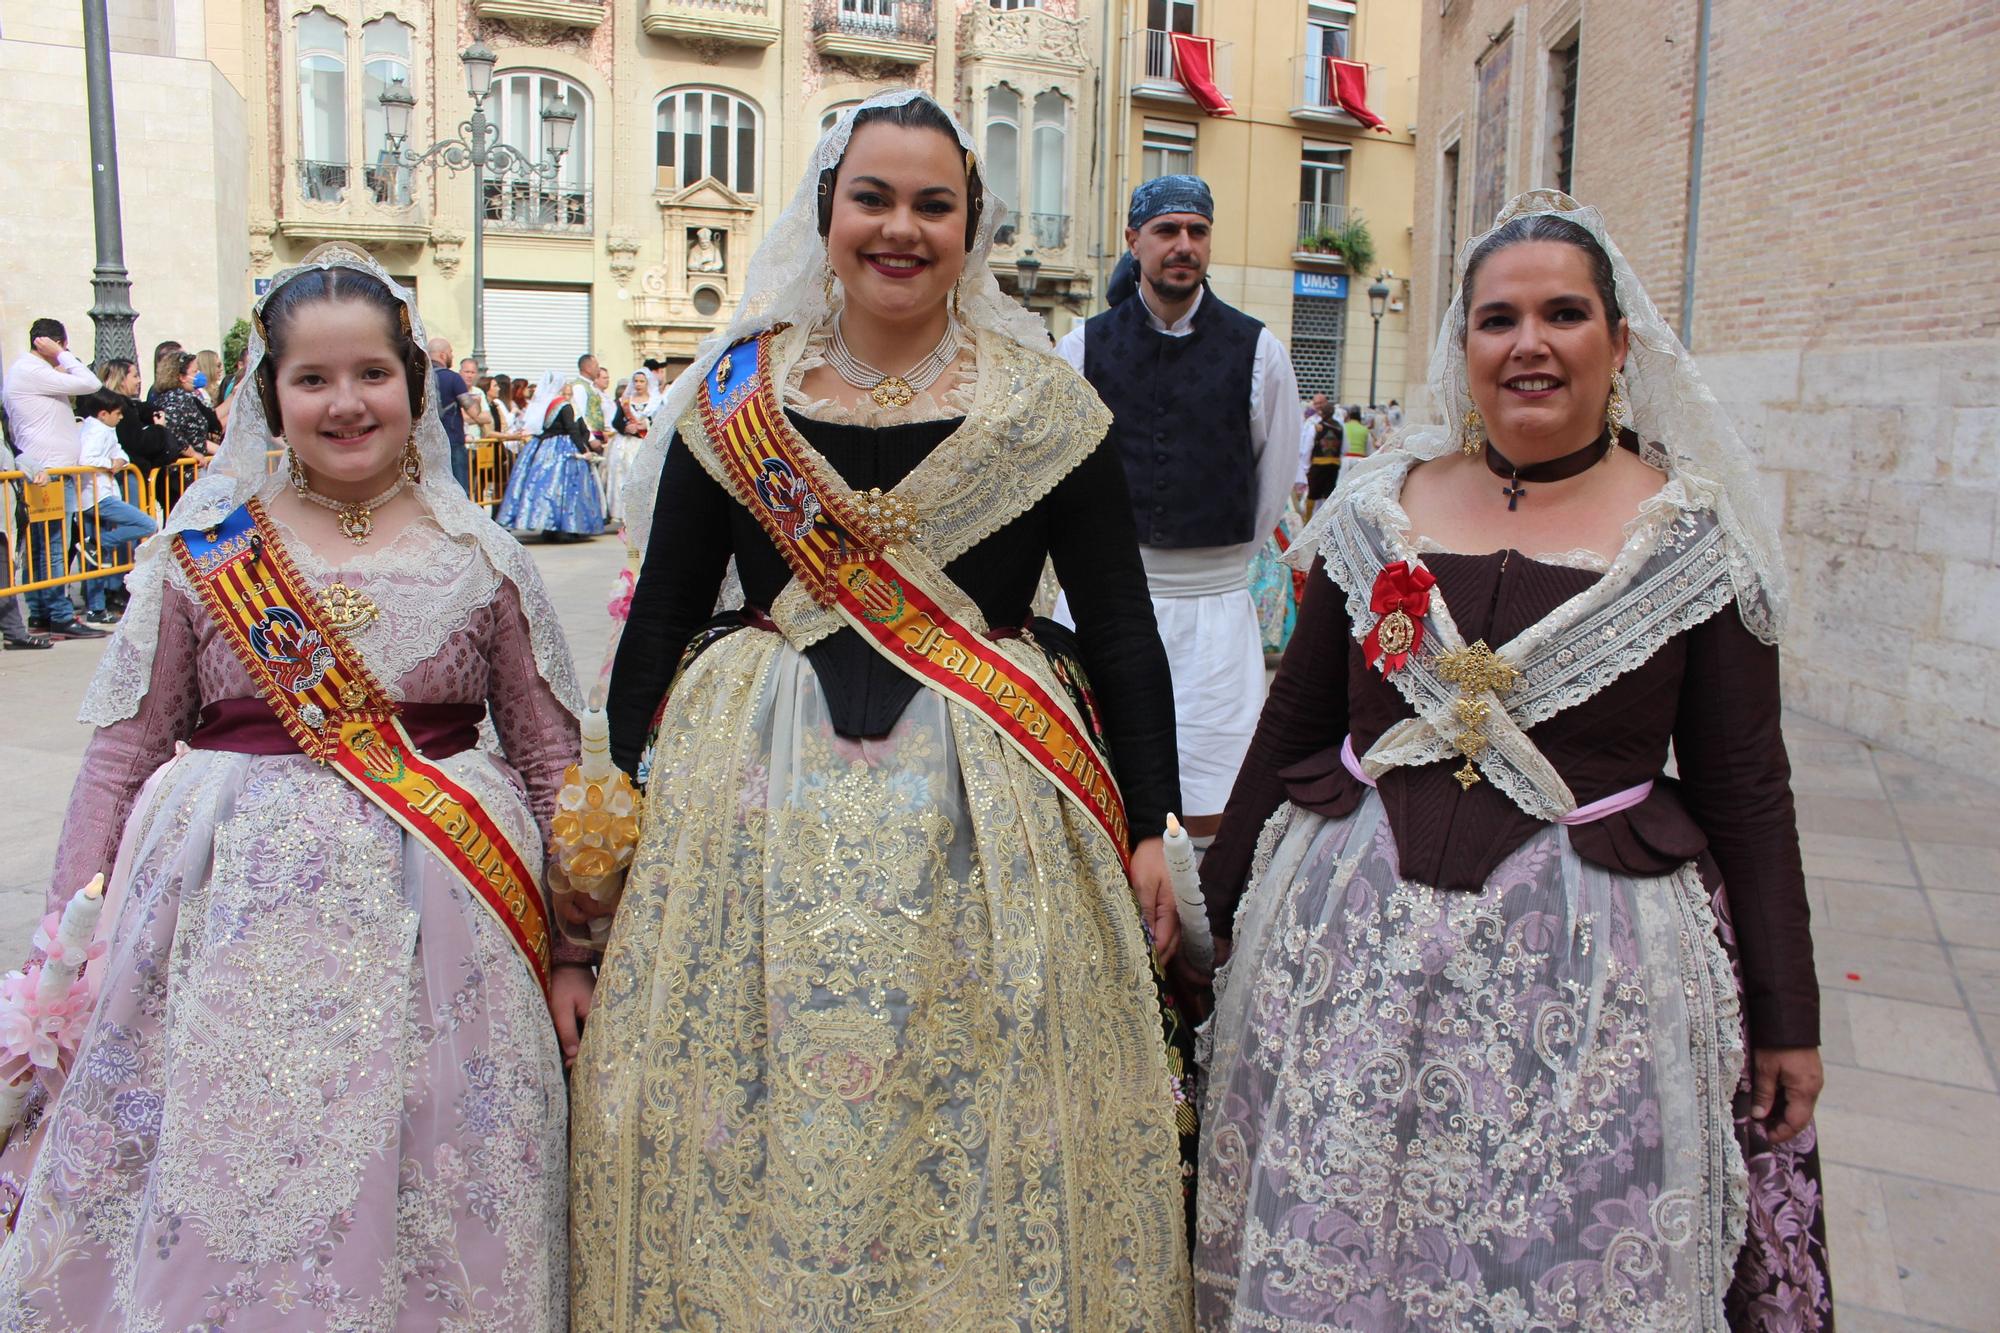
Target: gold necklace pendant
893 391
356 522
348 609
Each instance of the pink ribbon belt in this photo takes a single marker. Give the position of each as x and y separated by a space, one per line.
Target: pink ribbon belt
1583 814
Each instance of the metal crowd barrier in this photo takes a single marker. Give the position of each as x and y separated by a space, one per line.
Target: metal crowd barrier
42 525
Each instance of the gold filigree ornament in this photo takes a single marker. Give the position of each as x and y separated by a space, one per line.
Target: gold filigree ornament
1475 670
894 391
891 518
348 609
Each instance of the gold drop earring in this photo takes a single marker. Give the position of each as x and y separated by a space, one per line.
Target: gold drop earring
1617 407
298 471
413 462
826 282
1472 434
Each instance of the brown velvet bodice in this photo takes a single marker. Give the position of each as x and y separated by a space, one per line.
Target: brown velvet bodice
1710 692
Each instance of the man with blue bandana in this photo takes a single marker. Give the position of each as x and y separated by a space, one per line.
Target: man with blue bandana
1204 409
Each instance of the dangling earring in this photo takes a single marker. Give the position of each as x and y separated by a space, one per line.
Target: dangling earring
1617 407
298 471
1472 435
957 306
826 282
413 462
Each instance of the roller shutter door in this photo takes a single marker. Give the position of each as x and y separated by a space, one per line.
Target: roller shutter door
533 329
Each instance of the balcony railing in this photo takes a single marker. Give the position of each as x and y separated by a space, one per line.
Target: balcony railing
1312 91
913 21
1154 74
1319 228
712 24
322 182
527 204
1050 231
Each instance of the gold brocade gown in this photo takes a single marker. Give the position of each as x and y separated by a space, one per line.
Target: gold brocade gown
875 1043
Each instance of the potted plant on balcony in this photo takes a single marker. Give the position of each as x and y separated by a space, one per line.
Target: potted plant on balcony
1355 244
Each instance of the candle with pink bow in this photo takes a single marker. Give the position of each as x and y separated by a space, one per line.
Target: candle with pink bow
45 1006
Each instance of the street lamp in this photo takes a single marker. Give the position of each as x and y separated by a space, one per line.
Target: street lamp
1027 272
1378 301
480 149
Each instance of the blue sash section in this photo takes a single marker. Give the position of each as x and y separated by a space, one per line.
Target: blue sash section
225 540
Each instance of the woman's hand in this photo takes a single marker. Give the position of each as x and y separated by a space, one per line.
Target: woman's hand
1794 1069
1155 891
570 991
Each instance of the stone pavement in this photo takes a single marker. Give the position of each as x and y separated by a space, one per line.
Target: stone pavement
1904 873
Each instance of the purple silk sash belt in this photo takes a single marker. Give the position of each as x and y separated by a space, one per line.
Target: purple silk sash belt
248 726
1583 814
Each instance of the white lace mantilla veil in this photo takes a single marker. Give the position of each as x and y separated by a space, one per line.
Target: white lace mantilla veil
783 286
240 471
1684 430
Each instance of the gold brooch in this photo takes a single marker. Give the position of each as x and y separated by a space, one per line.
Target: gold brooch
1396 632
1475 670
348 609
891 519
893 391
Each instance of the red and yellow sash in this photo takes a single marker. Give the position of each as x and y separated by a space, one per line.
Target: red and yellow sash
329 703
850 564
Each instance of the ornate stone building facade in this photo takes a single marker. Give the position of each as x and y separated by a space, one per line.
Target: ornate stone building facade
694 121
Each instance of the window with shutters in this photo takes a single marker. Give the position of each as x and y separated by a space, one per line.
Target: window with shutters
706 132
527 202
322 65
1562 112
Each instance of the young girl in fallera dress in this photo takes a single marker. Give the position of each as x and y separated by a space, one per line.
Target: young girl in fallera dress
320 1088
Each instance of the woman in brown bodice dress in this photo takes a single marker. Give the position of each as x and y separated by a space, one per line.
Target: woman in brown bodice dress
1517 1032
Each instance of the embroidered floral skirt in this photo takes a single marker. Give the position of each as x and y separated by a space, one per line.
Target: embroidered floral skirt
552 489
875 1044
320 1090
1503 1110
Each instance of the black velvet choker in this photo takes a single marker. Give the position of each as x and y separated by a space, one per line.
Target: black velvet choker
1556 469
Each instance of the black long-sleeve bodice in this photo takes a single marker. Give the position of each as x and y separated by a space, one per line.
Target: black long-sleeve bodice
1084 524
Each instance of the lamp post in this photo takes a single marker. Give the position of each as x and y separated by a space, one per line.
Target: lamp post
1027 272
479 148
1378 301
111 313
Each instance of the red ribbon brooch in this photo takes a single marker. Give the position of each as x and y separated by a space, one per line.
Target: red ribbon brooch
1401 600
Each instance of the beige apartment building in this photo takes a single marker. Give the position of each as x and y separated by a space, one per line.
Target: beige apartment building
1835 266
1292 170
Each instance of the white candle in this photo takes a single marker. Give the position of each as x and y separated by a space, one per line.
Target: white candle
79 923
1196 939
12 1097
596 765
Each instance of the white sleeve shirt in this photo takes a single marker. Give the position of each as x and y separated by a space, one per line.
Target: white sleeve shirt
37 395
99 448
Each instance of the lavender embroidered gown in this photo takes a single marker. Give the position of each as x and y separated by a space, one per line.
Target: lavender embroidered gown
321 1089
1472 1069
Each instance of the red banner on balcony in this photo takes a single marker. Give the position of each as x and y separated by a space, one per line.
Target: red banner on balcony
1194 66
1349 81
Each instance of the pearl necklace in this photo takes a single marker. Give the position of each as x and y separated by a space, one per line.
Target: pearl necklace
357 517
893 390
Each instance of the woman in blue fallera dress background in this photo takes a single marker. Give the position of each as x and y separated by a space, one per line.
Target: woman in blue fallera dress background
553 488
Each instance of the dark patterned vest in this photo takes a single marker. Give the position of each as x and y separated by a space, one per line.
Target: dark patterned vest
1180 411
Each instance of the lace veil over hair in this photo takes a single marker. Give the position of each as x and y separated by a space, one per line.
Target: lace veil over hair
241 470
784 286
1685 431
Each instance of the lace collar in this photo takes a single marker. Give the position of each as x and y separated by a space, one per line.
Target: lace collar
1032 419
1675 570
